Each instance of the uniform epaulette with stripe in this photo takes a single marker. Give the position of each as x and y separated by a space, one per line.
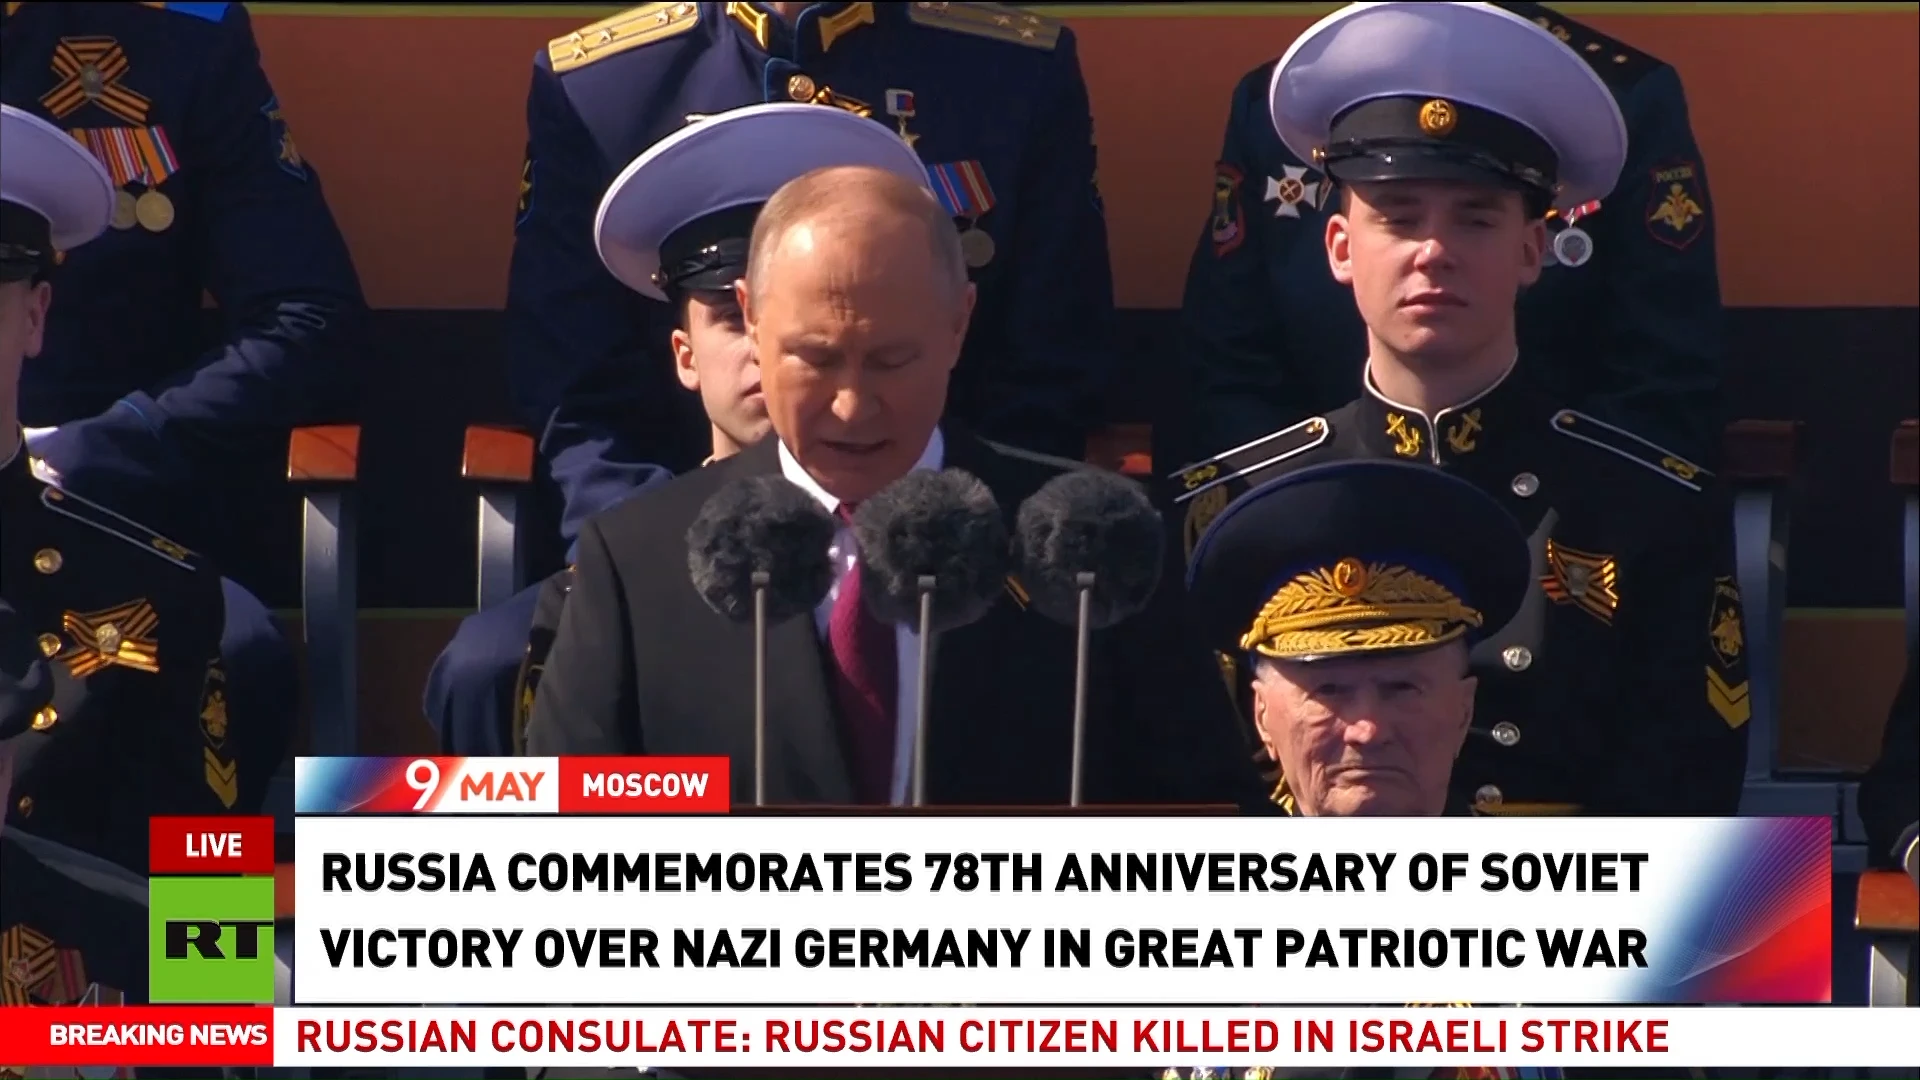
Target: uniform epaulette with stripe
1620 64
209 12
1002 22
1618 440
72 506
643 25
1251 457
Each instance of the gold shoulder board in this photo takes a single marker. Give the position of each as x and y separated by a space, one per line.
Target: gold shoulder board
627 30
1261 453
72 506
1618 440
1002 22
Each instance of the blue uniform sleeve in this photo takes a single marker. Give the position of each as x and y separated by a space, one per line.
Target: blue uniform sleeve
1663 285
276 264
1237 367
1061 292
576 338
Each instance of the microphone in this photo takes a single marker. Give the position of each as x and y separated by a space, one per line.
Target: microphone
1090 549
933 550
758 550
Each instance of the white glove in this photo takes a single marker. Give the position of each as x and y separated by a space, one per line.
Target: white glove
34 434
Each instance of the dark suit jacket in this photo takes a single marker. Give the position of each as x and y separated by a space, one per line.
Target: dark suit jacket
1890 792
641 665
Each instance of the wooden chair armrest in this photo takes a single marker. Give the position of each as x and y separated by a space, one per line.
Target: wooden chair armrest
497 455
1123 448
1886 903
329 454
1761 450
1904 468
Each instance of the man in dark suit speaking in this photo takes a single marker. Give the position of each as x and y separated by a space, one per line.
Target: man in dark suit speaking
857 301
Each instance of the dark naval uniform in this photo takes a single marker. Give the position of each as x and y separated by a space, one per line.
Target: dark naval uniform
213 197
73 928
991 97
1621 685
1634 330
1890 791
114 696
152 415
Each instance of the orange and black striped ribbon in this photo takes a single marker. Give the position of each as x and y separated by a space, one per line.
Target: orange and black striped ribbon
100 61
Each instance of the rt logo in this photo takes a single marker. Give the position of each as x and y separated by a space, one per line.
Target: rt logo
210 940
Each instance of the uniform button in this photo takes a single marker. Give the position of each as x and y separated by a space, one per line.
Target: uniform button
1488 795
1517 657
45 718
1506 734
800 88
48 560
49 644
1525 485
25 805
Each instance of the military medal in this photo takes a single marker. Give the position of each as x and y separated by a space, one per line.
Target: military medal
123 210
961 187
1573 245
155 212
976 246
900 107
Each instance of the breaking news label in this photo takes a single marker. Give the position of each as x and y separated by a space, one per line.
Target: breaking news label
433 899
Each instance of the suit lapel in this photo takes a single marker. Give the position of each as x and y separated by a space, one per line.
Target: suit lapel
805 761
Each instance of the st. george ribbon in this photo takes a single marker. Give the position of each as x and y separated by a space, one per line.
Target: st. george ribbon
933 551
1089 547
759 551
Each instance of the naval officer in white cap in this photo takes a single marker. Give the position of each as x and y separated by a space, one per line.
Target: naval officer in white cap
109 634
1620 687
673 227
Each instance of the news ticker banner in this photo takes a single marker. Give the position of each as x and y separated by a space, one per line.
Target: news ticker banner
1056 1036
404 901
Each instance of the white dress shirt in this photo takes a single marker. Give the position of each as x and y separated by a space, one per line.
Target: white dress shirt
846 555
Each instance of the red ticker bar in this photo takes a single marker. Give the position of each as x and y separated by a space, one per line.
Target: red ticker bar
645 785
210 845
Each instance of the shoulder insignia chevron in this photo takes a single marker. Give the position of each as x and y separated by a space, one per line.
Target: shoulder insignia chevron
72 506
209 12
1243 461
1578 425
628 30
1002 22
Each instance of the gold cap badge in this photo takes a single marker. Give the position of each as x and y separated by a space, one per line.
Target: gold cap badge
1437 117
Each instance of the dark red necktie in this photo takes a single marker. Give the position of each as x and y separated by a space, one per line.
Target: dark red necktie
865 686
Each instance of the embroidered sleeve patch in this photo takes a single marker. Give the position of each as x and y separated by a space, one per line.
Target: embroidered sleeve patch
1229 226
1727 686
1677 208
525 204
285 153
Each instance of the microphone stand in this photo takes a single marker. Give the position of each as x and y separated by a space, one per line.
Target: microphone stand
761 579
1081 647
924 678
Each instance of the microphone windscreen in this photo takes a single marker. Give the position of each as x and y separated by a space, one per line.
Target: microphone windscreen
946 524
761 523
1088 521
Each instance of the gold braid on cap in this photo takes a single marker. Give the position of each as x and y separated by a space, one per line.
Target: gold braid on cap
1357 607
